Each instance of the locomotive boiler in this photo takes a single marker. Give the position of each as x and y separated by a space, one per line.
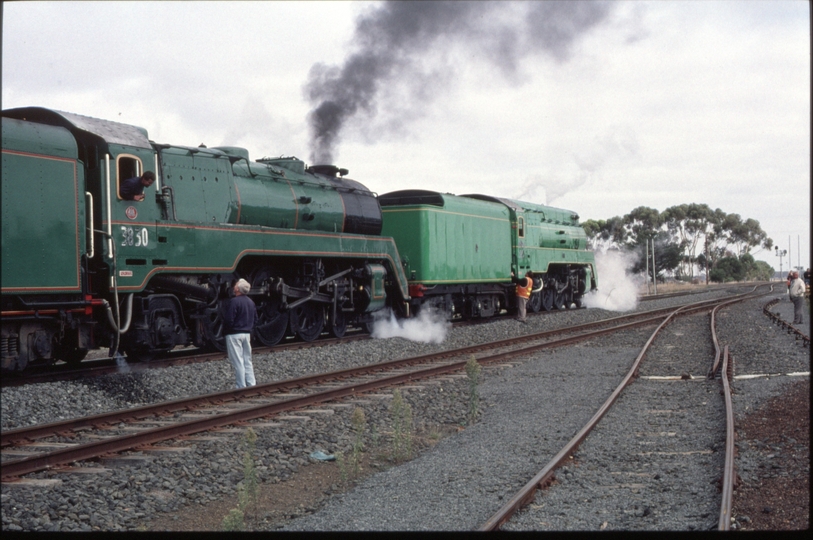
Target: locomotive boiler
84 268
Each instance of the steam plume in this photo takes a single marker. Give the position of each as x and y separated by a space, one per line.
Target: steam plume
617 287
393 40
428 327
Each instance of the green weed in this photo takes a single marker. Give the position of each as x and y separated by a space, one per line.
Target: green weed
402 427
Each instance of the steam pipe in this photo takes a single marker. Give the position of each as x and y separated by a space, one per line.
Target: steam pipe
129 313
198 291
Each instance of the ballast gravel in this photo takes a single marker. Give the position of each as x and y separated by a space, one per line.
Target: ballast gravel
528 410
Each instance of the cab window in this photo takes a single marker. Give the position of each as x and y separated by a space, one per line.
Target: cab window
126 167
521 226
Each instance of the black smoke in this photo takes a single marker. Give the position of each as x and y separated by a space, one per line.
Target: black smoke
392 40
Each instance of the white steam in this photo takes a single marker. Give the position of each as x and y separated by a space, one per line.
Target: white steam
121 363
617 288
428 327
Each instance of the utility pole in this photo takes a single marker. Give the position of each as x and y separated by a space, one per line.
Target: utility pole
654 268
646 258
707 261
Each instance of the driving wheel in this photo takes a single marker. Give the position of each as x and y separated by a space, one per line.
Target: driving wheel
307 320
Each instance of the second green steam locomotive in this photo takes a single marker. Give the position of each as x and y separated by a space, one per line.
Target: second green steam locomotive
459 252
83 267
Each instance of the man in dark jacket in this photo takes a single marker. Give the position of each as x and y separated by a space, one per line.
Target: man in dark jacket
132 189
238 321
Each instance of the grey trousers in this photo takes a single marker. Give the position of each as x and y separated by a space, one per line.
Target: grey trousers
798 307
522 302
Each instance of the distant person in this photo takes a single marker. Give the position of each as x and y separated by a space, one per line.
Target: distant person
524 286
238 321
807 276
132 189
797 296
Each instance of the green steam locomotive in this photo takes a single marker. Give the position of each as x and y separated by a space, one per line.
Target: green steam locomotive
86 266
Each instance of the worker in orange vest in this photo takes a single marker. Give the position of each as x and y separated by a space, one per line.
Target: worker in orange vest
524 286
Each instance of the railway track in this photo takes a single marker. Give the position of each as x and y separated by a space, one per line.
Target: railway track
799 336
628 465
275 397
102 366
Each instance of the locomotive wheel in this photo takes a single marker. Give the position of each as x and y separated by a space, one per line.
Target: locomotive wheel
547 299
338 327
213 328
535 302
307 320
559 301
271 323
578 301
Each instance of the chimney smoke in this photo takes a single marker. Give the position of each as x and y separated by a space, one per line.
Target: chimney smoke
393 38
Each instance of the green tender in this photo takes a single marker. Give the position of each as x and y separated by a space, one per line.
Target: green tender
450 239
43 209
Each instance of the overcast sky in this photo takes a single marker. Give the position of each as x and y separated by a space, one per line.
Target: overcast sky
594 107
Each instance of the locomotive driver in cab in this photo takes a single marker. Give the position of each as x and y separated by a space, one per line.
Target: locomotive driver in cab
524 286
132 189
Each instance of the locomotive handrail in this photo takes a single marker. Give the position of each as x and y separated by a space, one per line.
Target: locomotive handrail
157 175
89 199
109 214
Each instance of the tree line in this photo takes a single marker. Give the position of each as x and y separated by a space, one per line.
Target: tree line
686 236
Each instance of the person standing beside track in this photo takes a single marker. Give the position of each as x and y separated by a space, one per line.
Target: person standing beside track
238 321
524 286
797 296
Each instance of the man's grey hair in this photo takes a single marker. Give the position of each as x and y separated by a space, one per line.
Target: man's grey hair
243 286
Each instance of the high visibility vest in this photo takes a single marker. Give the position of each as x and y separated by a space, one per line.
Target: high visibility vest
525 292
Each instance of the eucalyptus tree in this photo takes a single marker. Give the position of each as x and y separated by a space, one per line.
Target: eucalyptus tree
605 234
680 232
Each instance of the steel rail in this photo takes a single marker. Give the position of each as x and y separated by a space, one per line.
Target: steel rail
715 365
525 495
729 477
726 372
799 335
